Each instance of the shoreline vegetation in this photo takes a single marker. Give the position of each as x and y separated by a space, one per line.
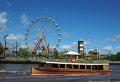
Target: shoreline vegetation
11 60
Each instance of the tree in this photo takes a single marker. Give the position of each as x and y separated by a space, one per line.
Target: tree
23 52
1 49
43 54
112 57
55 53
118 56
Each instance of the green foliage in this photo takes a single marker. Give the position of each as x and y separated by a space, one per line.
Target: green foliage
23 52
43 54
115 57
82 56
55 53
118 53
1 49
118 56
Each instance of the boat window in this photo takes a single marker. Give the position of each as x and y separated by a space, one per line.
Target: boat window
100 67
88 66
75 66
69 66
55 65
41 64
94 67
82 66
62 65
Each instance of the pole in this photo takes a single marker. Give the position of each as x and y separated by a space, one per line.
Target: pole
5 47
16 47
49 50
13 49
5 44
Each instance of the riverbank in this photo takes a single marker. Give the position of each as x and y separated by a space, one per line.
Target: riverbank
114 62
10 60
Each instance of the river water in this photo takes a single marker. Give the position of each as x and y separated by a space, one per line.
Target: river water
21 73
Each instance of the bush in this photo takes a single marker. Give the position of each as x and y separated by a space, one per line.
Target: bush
1 49
24 52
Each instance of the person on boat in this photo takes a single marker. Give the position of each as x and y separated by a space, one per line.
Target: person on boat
73 60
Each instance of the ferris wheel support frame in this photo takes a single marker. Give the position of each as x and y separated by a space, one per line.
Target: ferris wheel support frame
42 39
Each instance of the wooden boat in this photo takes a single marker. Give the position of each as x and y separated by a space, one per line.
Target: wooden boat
70 68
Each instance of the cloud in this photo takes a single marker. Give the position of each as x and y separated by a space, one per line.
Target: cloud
87 42
3 20
113 39
24 19
75 45
118 48
8 3
66 47
66 35
70 46
15 37
23 46
108 48
118 36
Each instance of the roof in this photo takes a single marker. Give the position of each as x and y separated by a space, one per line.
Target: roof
78 63
72 53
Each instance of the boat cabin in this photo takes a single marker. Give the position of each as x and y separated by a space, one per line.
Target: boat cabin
73 66
60 68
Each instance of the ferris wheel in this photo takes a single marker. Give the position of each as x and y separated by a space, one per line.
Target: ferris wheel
42 32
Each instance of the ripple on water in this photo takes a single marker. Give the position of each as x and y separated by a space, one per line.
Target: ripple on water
16 73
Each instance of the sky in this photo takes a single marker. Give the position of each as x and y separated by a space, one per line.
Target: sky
96 22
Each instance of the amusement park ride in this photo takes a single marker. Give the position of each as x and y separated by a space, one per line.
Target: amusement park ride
36 46
42 32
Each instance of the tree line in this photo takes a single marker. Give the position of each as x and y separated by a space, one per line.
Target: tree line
115 57
24 52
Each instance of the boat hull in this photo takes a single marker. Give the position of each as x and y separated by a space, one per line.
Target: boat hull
37 71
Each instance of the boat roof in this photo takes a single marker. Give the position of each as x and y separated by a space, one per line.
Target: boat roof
78 63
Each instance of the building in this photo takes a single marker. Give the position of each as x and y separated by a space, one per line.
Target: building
81 47
93 54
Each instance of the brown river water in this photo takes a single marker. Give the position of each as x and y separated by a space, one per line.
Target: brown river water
21 73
